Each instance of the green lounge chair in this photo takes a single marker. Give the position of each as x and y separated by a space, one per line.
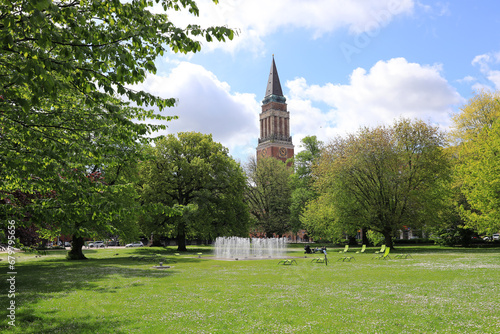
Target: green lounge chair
318 260
384 256
362 250
382 249
345 249
403 256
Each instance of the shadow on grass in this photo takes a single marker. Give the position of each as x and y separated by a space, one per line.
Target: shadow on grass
42 278
27 322
192 250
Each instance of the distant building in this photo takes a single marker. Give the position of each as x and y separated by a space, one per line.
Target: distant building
275 140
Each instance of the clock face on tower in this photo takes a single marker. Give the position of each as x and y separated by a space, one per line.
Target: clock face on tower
263 153
283 152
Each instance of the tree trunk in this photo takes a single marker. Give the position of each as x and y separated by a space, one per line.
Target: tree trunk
181 238
155 240
352 240
76 252
364 237
388 239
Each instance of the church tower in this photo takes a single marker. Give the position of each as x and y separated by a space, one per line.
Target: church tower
275 140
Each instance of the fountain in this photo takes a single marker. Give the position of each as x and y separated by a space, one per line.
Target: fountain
241 248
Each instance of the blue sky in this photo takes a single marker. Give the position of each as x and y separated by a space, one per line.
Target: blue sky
342 64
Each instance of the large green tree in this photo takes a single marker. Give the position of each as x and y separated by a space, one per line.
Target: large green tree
301 179
92 205
384 178
65 71
195 174
269 195
93 202
61 65
318 218
476 131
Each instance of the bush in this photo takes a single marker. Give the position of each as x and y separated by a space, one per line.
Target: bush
377 239
454 236
414 241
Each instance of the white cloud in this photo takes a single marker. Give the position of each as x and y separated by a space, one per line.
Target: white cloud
390 89
436 9
307 120
485 63
494 76
258 18
207 105
482 61
467 79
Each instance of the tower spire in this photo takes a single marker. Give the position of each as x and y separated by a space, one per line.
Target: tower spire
273 84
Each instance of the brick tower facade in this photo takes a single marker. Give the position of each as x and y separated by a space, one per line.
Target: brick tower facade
275 140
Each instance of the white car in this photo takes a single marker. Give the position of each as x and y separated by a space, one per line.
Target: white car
495 236
135 244
97 244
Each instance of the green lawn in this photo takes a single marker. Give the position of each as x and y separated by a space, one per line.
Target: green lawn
440 290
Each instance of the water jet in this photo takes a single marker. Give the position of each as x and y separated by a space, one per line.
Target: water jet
232 247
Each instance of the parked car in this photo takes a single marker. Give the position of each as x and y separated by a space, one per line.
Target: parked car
495 236
97 244
135 244
114 243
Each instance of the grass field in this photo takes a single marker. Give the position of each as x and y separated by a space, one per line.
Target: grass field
440 290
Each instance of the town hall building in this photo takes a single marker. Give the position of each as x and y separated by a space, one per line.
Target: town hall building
275 140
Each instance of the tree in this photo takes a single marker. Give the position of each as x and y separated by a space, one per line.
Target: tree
61 65
301 179
92 208
385 177
268 195
318 218
481 182
476 134
65 69
452 231
304 160
481 111
196 175
90 204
